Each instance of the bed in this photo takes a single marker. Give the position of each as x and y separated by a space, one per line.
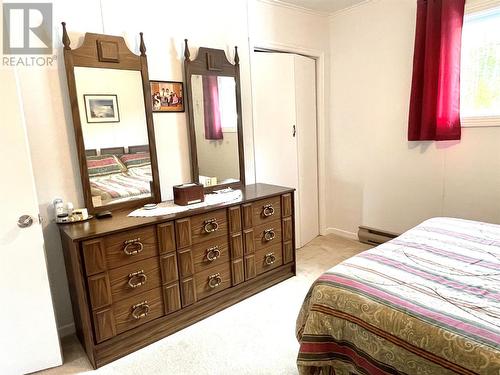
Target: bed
427 302
117 174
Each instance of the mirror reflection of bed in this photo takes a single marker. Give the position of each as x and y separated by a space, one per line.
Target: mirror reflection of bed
116 146
119 174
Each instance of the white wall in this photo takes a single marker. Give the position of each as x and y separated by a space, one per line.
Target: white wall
278 24
218 158
165 25
132 129
377 178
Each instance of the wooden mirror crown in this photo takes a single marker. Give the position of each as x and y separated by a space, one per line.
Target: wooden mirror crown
110 57
213 63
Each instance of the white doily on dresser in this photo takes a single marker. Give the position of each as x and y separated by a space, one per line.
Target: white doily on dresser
169 207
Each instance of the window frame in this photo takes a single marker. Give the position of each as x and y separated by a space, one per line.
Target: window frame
475 6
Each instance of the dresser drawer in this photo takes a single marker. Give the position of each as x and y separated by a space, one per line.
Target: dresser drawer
267 234
134 311
268 258
135 278
119 249
213 280
208 226
210 253
131 246
266 210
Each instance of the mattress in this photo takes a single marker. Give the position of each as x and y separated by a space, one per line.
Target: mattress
427 302
118 187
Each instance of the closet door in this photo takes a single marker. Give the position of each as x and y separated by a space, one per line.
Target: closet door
284 105
307 150
274 111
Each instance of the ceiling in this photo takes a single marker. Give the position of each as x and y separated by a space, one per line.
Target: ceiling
327 6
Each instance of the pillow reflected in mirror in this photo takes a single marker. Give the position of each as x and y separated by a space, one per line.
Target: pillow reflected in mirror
103 165
119 178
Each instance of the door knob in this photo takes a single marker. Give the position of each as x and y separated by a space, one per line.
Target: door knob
24 221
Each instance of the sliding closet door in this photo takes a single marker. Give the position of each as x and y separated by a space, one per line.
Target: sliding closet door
285 132
274 111
307 150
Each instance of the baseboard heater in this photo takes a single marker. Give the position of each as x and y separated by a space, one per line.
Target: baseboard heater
373 236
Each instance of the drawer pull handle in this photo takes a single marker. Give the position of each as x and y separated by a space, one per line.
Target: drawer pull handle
213 253
269 234
137 279
140 310
133 247
210 226
268 210
214 280
270 259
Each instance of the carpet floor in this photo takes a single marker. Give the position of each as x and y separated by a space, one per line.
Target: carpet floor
255 336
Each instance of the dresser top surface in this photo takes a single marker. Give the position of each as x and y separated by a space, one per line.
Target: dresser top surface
120 221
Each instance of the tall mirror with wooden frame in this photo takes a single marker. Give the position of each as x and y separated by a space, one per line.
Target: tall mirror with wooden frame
112 116
215 126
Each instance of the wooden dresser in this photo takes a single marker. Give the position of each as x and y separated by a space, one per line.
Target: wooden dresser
136 280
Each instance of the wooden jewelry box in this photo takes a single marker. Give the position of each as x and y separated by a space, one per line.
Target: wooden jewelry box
187 194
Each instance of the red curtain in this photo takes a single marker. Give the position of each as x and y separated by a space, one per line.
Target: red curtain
435 91
213 125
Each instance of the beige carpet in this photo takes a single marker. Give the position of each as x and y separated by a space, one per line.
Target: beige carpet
255 336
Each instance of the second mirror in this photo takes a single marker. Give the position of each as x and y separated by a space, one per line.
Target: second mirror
214 107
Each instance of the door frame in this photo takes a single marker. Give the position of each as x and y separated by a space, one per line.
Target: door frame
321 139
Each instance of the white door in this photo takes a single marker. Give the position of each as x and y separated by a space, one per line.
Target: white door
284 102
28 334
307 149
274 111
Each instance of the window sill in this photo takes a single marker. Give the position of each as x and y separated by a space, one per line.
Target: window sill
473 6
480 122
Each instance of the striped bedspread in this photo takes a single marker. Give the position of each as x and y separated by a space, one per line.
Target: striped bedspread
118 186
427 302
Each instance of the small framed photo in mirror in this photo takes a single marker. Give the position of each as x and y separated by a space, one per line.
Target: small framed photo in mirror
101 108
167 96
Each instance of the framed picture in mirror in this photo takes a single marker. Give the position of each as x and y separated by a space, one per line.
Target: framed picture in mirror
101 108
167 96
113 123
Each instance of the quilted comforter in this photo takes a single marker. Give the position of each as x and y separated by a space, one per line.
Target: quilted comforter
121 186
427 302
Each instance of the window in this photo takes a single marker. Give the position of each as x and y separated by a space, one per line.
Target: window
480 69
227 107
